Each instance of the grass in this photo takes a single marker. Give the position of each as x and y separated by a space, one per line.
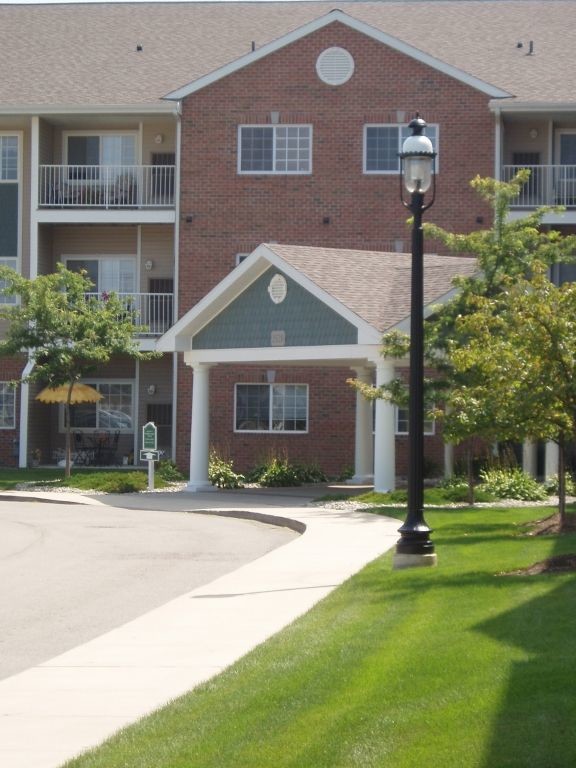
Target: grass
456 667
109 480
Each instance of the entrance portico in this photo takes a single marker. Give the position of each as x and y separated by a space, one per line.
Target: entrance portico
308 307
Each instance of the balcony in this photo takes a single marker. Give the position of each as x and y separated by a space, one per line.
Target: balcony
547 185
106 186
152 311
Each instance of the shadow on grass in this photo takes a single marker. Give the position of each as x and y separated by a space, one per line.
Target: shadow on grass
534 726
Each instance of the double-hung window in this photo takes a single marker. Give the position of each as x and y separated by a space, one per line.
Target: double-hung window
282 149
383 143
8 158
402 422
271 408
7 406
113 412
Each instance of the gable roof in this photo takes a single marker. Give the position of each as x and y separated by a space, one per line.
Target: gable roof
370 289
86 54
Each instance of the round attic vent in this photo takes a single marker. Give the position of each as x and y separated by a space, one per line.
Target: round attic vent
335 66
278 288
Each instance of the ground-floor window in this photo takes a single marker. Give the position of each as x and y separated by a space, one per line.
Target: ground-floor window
7 406
402 422
271 408
115 411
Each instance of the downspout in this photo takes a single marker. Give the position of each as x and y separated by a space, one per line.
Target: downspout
24 410
176 271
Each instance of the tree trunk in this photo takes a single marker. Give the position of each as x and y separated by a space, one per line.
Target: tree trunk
67 449
562 481
470 474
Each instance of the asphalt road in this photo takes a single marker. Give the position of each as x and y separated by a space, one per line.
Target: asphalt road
69 573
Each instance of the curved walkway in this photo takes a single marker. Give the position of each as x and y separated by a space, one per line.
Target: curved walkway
52 711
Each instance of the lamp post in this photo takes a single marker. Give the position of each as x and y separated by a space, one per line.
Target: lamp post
414 548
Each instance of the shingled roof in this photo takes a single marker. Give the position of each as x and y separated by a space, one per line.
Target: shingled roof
373 284
86 54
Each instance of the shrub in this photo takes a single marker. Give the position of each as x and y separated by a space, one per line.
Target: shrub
221 473
511 484
167 470
551 485
279 473
310 473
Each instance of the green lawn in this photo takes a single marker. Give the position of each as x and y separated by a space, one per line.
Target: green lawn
452 667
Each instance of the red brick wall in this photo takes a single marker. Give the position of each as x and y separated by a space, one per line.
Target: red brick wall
232 213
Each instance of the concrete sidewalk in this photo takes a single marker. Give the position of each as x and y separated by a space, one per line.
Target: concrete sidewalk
51 712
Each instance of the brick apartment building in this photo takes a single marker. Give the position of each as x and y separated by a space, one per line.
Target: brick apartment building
158 145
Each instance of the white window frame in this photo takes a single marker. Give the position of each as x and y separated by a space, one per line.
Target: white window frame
99 258
7 135
403 133
6 388
429 424
271 430
92 430
240 258
274 129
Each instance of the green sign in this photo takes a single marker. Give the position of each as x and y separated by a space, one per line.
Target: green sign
149 436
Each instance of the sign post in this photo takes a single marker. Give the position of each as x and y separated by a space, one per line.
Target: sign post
149 450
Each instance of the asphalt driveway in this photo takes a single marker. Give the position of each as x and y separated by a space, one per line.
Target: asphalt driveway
69 573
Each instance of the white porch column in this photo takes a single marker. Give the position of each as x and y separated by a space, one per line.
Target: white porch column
364 443
200 430
552 454
529 458
384 434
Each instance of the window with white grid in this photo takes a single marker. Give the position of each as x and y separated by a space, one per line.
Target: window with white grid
271 408
383 143
282 149
8 158
402 422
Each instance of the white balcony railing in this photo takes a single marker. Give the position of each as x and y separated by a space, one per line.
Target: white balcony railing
106 186
547 185
152 310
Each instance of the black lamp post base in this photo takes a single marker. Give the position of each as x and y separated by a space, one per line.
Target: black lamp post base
414 549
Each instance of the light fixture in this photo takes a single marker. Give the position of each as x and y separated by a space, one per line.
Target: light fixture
270 377
274 117
159 138
151 389
414 548
148 265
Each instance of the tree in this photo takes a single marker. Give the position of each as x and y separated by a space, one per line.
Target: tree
510 252
518 367
66 333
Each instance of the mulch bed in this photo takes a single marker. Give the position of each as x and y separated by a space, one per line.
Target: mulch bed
557 563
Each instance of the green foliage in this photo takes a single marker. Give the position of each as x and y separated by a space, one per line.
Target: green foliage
551 485
110 482
310 473
167 470
455 489
511 484
221 473
279 473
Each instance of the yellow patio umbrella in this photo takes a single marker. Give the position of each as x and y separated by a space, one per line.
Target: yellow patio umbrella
81 393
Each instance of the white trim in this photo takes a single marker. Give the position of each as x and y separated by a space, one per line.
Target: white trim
271 430
178 338
40 110
349 355
320 23
274 129
103 216
513 105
